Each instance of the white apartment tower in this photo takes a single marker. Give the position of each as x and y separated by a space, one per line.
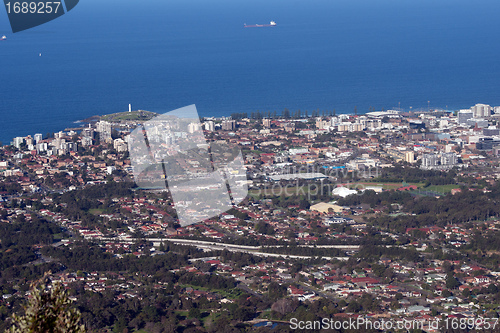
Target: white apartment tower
38 137
86 141
429 160
104 130
210 126
193 127
449 159
410 157
228 125
464 115
119 145
481 110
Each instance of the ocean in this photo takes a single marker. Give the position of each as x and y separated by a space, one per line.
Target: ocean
322 55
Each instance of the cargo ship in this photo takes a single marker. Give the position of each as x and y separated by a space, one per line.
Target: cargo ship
271 24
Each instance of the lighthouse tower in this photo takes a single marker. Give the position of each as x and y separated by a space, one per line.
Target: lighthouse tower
130 108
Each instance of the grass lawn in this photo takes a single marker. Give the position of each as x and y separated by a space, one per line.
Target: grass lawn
182 312
304 190
134 115
385 186
58 236
232 294
441 188
249 151
96 211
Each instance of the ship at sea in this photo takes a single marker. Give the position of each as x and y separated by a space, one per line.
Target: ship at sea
271 24
3 38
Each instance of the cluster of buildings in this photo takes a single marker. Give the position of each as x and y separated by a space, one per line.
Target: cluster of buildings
277 152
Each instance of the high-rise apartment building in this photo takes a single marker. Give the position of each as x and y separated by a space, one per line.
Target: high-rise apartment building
429 160
464 115
228 125
38 137
104 130
210 126
481 110
410 157
449 159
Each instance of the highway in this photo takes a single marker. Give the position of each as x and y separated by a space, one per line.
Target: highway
210 246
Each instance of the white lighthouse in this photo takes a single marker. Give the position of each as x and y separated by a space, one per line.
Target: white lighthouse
130 108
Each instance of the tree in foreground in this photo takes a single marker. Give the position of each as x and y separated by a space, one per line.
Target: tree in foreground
48 310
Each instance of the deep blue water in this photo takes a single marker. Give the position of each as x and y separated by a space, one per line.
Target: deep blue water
324 54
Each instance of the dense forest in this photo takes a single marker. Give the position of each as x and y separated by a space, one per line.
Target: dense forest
371 253
28 249
450 209
88 257
16 246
